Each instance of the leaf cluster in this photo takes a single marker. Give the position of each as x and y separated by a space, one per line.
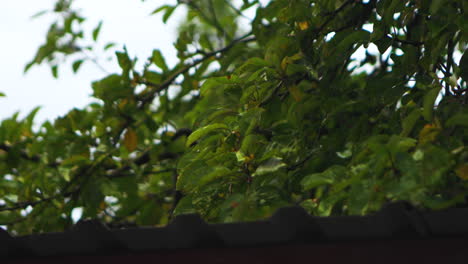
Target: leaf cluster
339 106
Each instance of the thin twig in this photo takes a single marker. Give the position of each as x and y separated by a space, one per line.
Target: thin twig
23 205
408 42
145 99
149 96
333 14
214 23
24 155
450 48
235 9
95 62
311 154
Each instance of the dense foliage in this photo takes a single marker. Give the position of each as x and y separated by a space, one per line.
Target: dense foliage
282 112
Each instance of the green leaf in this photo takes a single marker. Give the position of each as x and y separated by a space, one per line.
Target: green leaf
28 66
149 214
109 45
75 160
329 202
327 177
169 11
201 132
111 88
383 44
252 143
96 31
436 5
216 173
253 64
125 62
158 59
436 163
205 42
2 94
282 94
457 120
439 203
29 120
7 217
220 114
428 103
185 206
399 144
378 31
40 13
159 9
464 66
92 197
153 77
76 65
54 70
197 174
269 166
394 7
409 122
344 47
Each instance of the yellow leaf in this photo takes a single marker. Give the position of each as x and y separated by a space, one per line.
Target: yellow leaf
130 140
288 60
297 56
429 133
284 63
26 133
296 93
123 103
102 205
303 25
462 171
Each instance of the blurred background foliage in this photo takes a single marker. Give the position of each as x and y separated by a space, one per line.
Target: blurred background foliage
339 106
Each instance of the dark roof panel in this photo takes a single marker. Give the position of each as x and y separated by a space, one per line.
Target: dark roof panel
288 227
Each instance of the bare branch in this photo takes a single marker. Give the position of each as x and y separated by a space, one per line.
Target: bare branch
23 205
408 42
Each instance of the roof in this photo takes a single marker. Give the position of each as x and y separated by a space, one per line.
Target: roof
397 225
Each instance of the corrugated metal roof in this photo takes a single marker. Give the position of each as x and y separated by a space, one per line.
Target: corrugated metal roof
288 226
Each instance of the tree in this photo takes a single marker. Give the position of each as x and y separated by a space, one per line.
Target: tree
251 120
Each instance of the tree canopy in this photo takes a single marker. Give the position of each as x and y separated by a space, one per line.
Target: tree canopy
338 106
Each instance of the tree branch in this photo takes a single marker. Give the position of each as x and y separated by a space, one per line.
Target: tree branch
408 42
214 22
450 49
148 97
23 205
24 155
333 14
228 2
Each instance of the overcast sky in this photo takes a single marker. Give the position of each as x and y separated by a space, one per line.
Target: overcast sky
125 22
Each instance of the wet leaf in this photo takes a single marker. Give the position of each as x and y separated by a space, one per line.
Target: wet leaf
201 132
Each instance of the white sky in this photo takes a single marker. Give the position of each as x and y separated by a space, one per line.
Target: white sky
125 22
